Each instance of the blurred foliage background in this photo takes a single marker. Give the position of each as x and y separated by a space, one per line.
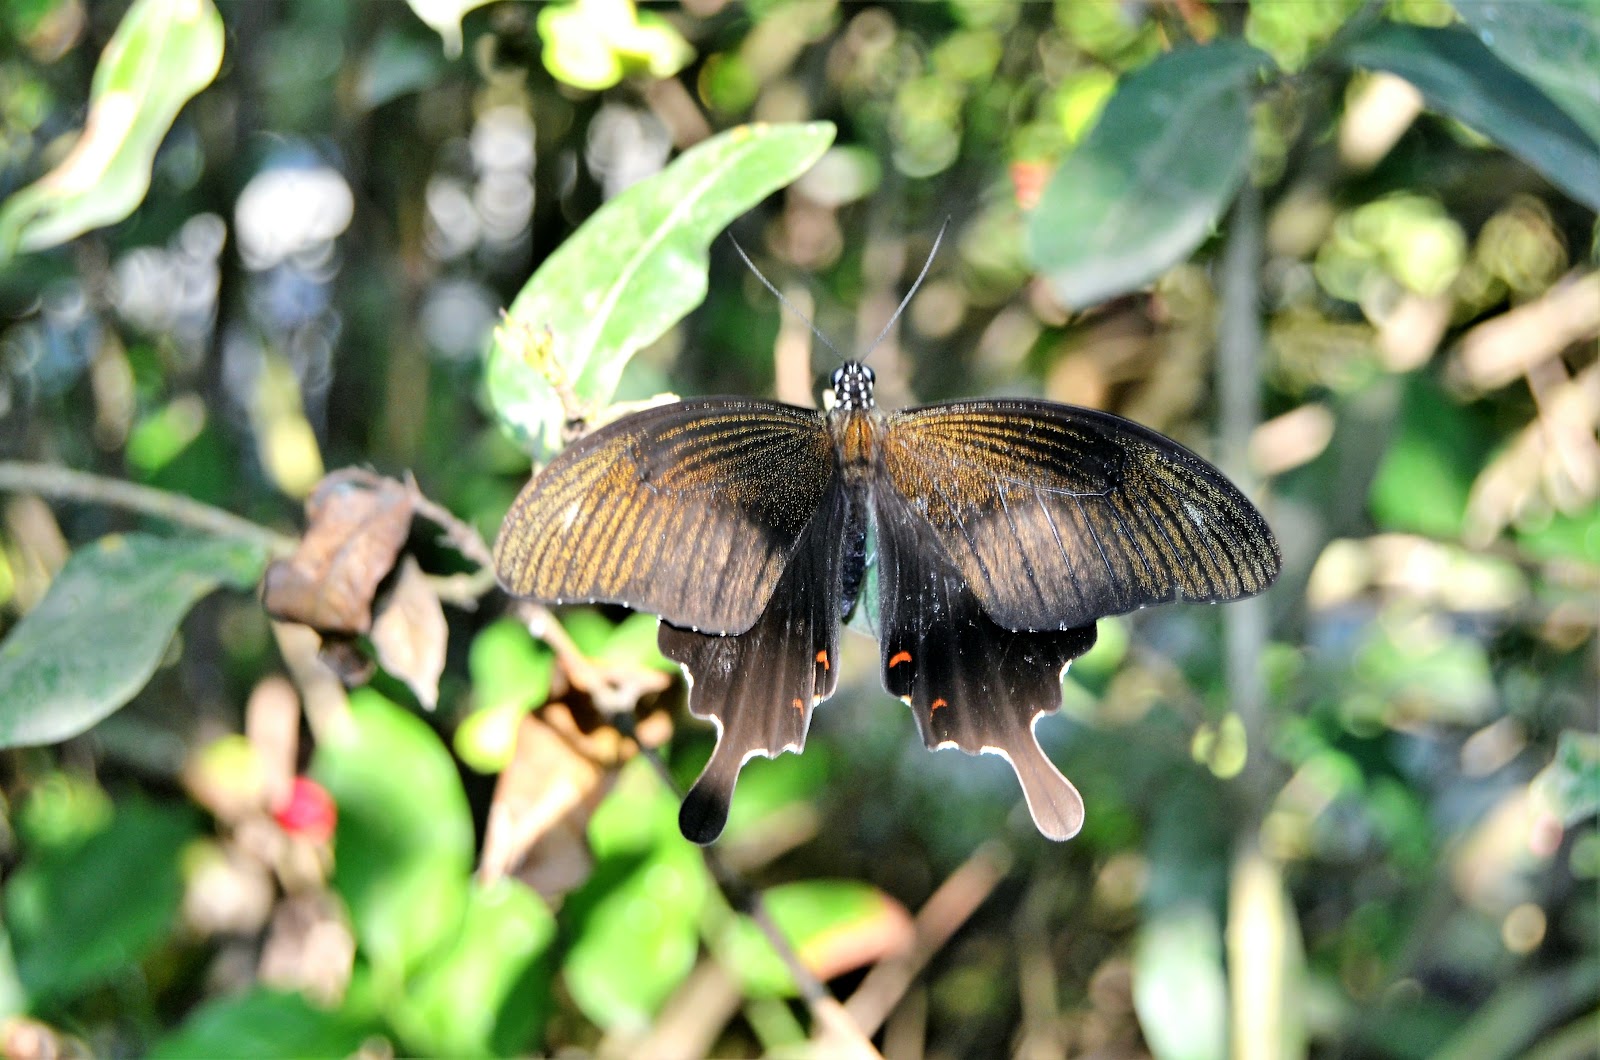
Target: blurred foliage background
1346 249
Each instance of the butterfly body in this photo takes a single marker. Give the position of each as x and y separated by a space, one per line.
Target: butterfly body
1003 530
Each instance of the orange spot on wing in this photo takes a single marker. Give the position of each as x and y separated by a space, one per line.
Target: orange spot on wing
936 705
899 657
822 657
799 705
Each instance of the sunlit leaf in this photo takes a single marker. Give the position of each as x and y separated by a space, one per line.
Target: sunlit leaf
445 16
1179 990
488 994
593 44
103 628
1266 961
1555 43
510 676
1153 176
403 848
632 271
266 1023
1462 78
162 54
83 914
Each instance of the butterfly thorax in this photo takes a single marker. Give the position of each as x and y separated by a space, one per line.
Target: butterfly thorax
854 422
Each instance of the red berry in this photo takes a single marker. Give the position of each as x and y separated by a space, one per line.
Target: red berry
308 812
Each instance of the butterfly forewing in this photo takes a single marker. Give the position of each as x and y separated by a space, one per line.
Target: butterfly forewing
1058 516
691 511
760 685
969 682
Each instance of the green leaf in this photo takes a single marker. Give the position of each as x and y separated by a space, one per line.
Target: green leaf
488 994
1149 182
1460 77
1426 474
632 271
103 627
510 676
81 915
266 1023
807 913
593 44
636 922
162 54
1179 990
1571 782
1555 44
403 848
444 16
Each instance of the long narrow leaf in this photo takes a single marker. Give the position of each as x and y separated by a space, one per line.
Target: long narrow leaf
635 268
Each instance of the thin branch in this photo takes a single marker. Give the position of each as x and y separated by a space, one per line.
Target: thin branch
61 483
1240 343
956 899
462 537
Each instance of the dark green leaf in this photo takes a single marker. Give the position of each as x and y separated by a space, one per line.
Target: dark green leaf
1149 182
633 270
1460 77
403 848
1424 478
102 629
162 54
1555 43
83 914
488 995
265 1023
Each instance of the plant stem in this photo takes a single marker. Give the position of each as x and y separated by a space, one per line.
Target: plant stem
61 483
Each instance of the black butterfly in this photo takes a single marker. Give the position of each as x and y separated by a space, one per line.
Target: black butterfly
1003 530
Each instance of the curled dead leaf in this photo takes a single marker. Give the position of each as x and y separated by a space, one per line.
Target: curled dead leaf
410 634
540 813
357 525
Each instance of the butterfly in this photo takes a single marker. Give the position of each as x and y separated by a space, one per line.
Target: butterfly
1001 530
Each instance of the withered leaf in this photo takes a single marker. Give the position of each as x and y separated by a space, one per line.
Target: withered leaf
410 633
356 526
541 807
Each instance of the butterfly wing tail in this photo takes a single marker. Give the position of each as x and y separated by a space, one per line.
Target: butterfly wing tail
971 683
1055 805
704 812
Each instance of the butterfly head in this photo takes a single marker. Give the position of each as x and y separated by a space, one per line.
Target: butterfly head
852 386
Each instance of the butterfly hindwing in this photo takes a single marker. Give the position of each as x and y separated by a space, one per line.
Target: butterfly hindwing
1058 516
691 511
760 686
969 682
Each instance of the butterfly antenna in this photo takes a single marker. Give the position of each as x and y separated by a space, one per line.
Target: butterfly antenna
790 306
901 308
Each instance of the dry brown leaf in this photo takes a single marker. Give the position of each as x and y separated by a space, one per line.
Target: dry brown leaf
356 528
541 808
409 633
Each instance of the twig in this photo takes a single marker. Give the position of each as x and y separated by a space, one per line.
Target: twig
614 689
945 911
1239 396
65 484
462 537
